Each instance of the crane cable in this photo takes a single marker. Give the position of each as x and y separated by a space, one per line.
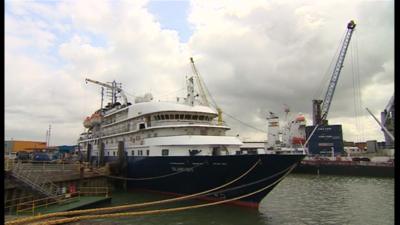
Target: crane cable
359 86
149 212
327 75
354 93
357 100
248 125
125 207
204 89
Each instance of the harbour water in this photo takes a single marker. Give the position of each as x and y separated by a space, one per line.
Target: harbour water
298 199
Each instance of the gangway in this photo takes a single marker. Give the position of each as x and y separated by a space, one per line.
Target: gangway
39 183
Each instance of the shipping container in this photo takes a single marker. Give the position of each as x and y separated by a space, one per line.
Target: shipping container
324 139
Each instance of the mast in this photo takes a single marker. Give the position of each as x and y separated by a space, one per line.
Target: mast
190 91
102 95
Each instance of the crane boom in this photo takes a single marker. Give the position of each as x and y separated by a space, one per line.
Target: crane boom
381 125
336 72
111 87
388 108
203 90
199 83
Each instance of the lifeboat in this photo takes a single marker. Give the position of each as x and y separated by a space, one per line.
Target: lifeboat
298 140
300 118
95 119
87 123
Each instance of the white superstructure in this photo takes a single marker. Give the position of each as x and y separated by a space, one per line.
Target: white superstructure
150 128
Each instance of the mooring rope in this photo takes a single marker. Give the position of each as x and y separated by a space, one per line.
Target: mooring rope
149 212
126 207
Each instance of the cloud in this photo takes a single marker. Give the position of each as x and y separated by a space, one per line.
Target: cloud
254 57
278 52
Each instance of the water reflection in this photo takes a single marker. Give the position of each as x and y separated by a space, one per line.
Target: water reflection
299 199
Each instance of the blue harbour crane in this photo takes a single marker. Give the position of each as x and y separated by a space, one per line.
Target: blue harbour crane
320 113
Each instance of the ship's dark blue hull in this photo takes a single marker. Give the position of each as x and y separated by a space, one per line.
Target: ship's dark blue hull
184 175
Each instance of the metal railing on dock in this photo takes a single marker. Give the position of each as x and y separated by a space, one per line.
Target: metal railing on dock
9 164
94 191
32 206
34 180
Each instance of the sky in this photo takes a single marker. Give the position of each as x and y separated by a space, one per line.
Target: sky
254 56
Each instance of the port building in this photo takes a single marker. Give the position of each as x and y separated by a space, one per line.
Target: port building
14 146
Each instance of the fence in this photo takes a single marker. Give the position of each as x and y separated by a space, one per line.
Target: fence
32 205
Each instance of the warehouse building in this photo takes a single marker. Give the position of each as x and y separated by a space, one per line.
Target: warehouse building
14 146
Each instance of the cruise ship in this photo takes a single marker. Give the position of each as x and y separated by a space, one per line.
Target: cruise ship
179 148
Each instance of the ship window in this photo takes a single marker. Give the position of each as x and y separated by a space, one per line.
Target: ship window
164 152
167 117
195 117
147 152
140 152
201 117
141 126
133 152
176 116
187 117
181 116
162 117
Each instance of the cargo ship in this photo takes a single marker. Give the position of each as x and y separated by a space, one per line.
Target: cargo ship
179 148
330 162
346 166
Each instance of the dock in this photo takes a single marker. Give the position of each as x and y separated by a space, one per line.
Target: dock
41 188
84 202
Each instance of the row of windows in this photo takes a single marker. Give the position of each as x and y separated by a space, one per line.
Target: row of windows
181 117
140 152
164 152
111 141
